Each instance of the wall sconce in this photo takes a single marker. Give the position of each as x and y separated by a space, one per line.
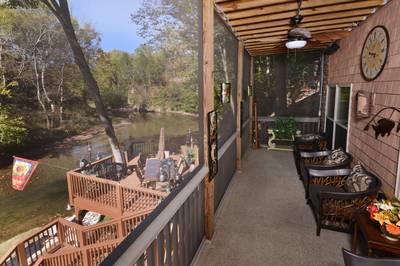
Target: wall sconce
384 126
225 92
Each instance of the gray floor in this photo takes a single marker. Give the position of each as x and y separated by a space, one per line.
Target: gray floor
264 219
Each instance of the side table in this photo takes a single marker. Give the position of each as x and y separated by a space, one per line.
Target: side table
373 236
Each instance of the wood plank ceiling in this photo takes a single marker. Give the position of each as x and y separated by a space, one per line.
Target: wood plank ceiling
263 25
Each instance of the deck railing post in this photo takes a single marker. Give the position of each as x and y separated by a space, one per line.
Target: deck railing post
60 233
21 253
120 199
121 228
70 188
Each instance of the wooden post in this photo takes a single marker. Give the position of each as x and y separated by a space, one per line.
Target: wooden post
251 100
208 105
22 259
238 106
120 200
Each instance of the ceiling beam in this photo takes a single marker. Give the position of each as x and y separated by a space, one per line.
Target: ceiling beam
308 12
303 25
311 29
306 19
271 9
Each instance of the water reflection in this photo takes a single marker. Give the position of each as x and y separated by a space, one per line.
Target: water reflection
46 196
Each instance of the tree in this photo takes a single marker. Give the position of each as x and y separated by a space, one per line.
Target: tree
12 129
61 10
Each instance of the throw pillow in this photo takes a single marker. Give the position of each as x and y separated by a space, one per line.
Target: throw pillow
336 157
358 181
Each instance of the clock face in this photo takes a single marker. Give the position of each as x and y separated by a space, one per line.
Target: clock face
374 53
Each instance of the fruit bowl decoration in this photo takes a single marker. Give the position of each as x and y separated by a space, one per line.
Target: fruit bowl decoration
387 213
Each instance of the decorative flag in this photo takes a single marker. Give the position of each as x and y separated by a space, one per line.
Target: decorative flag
22 172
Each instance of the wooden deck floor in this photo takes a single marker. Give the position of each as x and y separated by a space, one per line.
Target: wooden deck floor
264 219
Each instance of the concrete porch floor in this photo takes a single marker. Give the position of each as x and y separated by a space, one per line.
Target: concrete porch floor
264 219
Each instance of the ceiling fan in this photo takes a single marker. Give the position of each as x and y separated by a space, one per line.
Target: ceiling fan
297 37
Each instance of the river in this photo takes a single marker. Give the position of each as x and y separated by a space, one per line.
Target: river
46 196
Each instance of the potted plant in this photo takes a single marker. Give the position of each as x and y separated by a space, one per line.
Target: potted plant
283 134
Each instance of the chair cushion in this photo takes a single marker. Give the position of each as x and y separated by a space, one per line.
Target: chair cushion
337 156
359 180
314 190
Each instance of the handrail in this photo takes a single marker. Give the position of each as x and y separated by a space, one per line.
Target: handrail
94 163
132 247
88 255
67 237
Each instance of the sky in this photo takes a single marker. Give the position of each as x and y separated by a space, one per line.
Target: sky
112 19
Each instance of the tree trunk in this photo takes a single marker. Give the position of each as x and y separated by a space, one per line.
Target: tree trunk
281 77
3 74
38 92
61 10
61 95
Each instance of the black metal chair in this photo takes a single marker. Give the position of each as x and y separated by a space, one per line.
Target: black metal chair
332 206
351 259
302 144
315 160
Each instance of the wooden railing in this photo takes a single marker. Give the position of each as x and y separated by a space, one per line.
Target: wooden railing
89 255
109 197
72 237
173 235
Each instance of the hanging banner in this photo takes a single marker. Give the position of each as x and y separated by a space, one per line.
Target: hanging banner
22 172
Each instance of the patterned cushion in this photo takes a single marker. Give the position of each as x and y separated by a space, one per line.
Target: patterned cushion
358 180
336 157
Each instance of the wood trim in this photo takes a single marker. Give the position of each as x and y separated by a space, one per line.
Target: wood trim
208 105
238 106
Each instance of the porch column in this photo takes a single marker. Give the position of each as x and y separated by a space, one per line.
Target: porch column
238 107
208 105
251 100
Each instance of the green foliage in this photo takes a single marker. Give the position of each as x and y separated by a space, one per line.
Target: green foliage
12 130
285 128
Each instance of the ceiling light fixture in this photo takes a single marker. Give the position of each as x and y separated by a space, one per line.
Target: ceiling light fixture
295 44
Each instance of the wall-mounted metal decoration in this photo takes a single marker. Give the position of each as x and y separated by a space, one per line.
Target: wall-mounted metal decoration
225 92
363 104
212 121
383 126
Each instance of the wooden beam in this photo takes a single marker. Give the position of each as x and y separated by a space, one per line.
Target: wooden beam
336 15
303 25
311 29
239 92
208 105
308 12
272 9
229 6
251 100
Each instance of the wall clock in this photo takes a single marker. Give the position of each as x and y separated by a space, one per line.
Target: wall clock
374 53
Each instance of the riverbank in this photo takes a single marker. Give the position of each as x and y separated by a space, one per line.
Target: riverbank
46 195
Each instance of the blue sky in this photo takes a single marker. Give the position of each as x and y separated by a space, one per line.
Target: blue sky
112 19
